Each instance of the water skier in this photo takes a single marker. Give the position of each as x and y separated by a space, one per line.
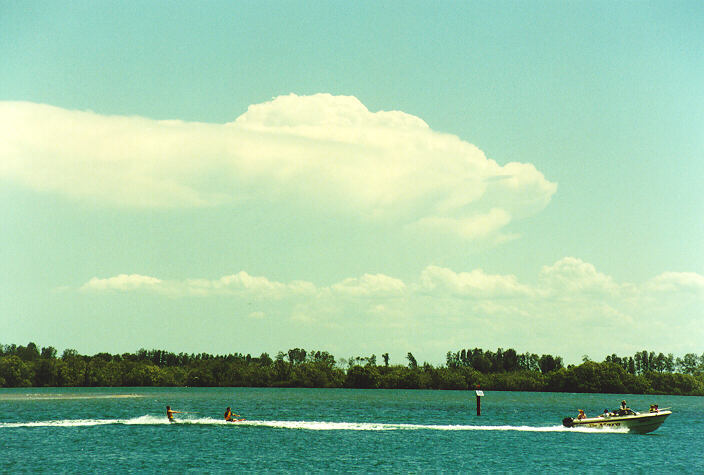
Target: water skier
170 414
229 415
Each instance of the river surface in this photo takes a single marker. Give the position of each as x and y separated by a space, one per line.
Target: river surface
334 430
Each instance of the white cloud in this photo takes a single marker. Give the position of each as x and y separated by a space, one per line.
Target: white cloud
570 300
377 285
678 282
569 279
302 149
476 284
243 283
236 284
572 275
123 282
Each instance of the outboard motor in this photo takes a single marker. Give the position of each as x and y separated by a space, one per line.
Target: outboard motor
568 422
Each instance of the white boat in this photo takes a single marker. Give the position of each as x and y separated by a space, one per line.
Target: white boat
639 423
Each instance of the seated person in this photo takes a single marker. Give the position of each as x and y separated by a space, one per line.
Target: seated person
581 415
230 416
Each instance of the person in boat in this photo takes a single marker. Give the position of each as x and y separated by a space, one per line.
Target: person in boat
230 416
605 413
624 410
170 414
581 414
653 408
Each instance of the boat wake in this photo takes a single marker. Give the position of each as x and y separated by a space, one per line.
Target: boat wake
300 425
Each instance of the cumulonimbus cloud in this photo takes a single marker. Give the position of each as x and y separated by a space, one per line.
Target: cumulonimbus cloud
321 150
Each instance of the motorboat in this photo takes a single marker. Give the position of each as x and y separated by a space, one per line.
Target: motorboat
639 423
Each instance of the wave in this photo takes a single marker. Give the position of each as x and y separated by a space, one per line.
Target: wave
299 425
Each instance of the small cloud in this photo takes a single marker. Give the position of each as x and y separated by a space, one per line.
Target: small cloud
475 284
370 285
241 284
689 282
573 275
122 282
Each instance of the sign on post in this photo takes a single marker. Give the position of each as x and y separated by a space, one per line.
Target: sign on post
480 394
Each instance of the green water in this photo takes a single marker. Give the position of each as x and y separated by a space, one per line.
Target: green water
334 430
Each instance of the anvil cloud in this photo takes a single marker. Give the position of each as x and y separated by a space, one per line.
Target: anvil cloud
324 152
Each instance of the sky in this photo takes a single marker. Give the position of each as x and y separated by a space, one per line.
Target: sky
355 177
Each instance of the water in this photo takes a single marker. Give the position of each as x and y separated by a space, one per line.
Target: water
334 430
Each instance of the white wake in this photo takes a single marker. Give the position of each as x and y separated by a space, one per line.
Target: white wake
300 425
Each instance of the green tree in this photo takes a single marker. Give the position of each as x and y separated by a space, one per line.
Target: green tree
264 359
631 365
144 374
200 376
362 377
450 378
549 363
510 360
688 364
29 352
412 363
46 373
667 383
15 372
481 363
282 373
296 356
72 371
48 352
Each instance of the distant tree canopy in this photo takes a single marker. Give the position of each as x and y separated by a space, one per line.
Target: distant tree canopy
643 373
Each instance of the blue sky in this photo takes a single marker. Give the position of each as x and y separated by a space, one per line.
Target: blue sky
353 176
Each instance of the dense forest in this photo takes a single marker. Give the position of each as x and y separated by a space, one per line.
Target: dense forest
643 373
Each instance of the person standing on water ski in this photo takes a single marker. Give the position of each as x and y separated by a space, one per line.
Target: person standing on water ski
170 414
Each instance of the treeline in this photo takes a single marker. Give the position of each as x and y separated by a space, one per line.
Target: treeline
643 373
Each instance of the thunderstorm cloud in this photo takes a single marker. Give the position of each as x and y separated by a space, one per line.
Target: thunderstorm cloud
324 152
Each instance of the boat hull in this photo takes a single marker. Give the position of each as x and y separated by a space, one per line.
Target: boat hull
637 423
